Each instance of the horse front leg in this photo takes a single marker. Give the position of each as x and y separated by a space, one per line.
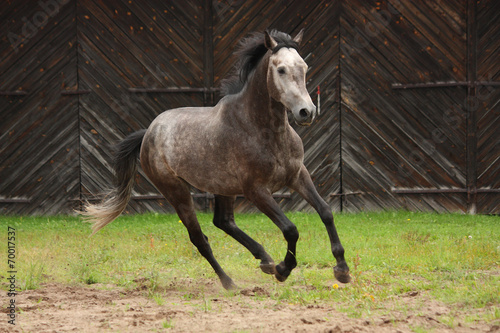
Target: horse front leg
265 202
305 187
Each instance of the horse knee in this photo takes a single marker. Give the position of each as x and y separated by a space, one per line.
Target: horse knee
200 240
219 222
326 215
223 223
291 233
338 253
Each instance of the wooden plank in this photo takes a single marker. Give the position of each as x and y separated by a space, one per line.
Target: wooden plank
208 49
486 107
471 142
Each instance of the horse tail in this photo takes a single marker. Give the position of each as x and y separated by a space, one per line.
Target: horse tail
125 167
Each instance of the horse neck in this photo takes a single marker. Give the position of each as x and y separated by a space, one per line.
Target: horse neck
264 111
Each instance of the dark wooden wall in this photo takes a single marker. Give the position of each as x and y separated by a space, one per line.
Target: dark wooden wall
409 96
39 123
419 105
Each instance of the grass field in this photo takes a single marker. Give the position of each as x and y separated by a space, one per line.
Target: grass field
454 258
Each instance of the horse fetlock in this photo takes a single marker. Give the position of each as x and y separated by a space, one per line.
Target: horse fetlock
338 252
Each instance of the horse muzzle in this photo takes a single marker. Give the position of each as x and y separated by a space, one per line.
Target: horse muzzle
304 116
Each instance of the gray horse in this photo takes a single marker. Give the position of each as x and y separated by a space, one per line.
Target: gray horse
243 145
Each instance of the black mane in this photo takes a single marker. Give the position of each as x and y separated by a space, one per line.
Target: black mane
250 51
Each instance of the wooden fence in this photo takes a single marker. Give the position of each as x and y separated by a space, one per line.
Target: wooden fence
409 96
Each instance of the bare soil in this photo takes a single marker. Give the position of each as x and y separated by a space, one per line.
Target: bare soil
191 306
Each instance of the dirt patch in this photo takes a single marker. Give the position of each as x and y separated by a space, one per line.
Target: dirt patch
188 306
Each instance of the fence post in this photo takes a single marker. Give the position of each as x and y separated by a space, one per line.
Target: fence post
471 107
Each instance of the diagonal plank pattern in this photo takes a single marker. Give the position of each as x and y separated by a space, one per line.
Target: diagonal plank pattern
79 76
405 138
39 153
126 45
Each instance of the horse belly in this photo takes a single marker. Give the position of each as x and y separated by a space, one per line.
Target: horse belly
206 172
194 156
216 183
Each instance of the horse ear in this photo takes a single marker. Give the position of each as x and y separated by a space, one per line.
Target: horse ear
269 41
298 39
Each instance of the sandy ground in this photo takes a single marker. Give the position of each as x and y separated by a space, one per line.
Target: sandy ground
189 306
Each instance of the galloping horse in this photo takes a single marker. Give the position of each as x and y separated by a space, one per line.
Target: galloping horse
243 145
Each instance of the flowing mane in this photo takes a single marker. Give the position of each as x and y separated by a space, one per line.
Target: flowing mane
250 51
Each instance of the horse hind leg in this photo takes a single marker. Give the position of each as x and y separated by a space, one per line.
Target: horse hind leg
177 193
224 219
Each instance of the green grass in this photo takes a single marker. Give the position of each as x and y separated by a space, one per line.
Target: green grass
453 258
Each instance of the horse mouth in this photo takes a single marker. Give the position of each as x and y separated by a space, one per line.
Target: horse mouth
303 124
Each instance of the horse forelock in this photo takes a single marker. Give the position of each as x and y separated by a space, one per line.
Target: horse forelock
251 51
283 40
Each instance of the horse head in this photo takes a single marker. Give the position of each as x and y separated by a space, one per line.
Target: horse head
286 79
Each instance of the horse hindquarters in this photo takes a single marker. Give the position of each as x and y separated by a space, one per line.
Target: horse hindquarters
178 194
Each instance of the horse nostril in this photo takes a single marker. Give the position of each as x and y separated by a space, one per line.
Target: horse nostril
303 113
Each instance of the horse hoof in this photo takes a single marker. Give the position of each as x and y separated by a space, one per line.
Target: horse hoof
281 273
341 276
228 284
268 268
280 277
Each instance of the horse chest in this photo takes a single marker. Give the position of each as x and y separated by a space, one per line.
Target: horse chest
272 166
285 168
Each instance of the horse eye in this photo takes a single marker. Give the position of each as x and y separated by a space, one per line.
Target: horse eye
281 70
